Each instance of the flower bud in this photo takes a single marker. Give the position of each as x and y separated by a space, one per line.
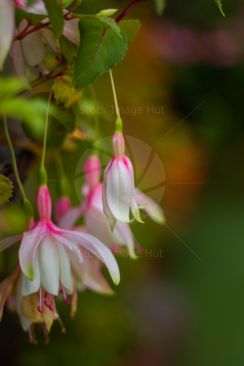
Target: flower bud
119 144
92 170
44 203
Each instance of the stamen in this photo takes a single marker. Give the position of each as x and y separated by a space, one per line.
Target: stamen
49 301
45 333
63 330
39 307
74 303
32 336
66 297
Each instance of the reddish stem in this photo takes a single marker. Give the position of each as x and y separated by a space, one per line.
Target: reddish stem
39 26
127 8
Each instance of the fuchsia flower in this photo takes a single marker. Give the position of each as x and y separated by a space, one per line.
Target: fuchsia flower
95 219
119 197
88 274
49 256
26 306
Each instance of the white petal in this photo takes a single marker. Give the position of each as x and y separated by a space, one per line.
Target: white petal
37 8
71 248
70 218
71 31
49 265
97 225
28 247
49 38
118 190
33 49
18 61
153 210
97 248
29 287
123 236
93 277
7 26
64 268
111 219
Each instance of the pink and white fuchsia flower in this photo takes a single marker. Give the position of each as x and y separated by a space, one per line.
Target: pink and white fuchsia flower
50 255
119 198
95 219
89 273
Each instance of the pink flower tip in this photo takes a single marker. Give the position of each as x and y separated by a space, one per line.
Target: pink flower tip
44 203
119 144
63 205
92 171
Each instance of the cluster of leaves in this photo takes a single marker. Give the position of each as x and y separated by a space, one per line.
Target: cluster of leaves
71 68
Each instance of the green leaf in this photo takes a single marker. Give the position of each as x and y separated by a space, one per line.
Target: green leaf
55 14
61 123
103 45
29 110
220 6
130 27
107 12
6 189
160 5
11 86
66 3
68 49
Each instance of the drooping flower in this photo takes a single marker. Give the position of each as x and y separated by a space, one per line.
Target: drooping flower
97 224
49 255
119 197
94 218
88 274
26 306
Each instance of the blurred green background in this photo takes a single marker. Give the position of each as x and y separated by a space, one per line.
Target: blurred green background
181 303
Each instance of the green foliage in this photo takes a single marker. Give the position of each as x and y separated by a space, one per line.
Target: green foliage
60 124
28 110
6 189
160 5
103 46
220 6
107 12
11 86
55 14
68 49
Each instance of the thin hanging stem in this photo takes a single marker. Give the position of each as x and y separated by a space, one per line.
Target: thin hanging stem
64 183
43 172
26 201
119 124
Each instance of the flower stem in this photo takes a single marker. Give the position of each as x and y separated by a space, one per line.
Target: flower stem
42 171
64 183
118 123
26 202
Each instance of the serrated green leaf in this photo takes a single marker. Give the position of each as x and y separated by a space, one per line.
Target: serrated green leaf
101 49
110 23
6 189
160 5
130 27
55 14
220 6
